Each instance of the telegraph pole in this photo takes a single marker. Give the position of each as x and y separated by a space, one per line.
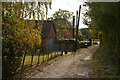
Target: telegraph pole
77 25
73 26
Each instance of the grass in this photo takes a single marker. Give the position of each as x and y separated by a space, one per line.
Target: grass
28 58
42 58
35 59
27 63
27 68
102 70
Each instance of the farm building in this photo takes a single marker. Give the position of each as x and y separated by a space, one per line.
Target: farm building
63 28
48 34
56 29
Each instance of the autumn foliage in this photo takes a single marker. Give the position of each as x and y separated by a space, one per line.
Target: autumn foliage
18 35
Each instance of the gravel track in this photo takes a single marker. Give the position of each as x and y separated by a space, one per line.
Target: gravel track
71 66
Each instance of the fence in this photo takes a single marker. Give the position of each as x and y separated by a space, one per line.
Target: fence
35 57
41 54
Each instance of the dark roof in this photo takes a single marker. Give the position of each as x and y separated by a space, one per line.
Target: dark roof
62 22
46 28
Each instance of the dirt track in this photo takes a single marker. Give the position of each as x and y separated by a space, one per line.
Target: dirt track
77 66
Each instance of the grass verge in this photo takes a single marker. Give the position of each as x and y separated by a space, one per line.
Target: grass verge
102 70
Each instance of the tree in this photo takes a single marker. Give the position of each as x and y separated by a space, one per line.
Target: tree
62 14
103 17
80 36
18 34
62 21
85 33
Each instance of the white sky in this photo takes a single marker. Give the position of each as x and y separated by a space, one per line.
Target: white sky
70 5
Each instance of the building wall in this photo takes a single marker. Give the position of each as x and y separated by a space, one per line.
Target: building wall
45 41
52 33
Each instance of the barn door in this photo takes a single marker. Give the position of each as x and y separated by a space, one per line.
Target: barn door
50 45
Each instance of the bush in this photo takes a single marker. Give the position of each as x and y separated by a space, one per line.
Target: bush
11 55
65 45
80 37
18 38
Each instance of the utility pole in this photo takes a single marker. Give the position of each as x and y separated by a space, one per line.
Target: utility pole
73 25
77 25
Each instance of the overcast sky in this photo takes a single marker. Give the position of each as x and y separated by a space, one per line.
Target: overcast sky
70 5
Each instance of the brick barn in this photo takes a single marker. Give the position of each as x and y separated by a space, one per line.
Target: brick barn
63 28
48 35
51 30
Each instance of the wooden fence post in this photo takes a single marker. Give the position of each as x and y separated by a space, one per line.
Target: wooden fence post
23 65
43 57
57 53
23 61
48 55
51 55
32 57
39 56
61 53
